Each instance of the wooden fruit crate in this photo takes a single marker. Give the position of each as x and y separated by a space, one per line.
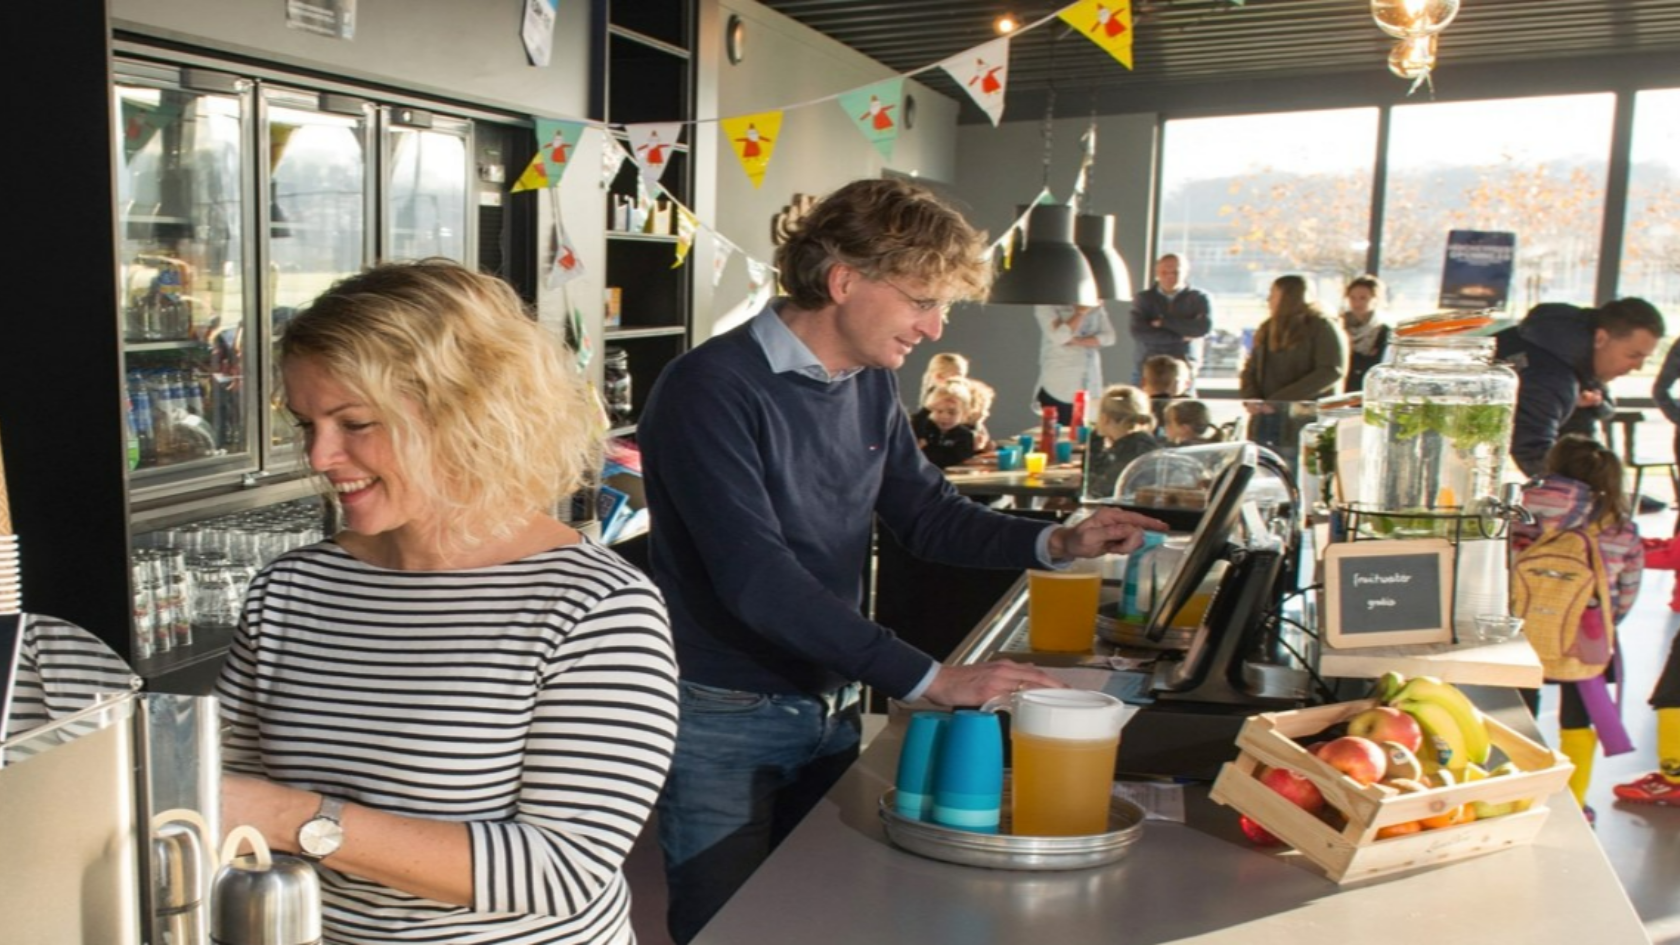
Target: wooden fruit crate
1354 852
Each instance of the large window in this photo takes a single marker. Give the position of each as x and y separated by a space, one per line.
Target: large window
1534 167
1651 250
1247 199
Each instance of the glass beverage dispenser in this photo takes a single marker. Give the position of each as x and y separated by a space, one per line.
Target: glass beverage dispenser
1437 431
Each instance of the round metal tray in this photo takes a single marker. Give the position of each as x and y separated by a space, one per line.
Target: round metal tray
1000 851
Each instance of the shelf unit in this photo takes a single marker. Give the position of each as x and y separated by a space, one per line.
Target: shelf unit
647 74
84 495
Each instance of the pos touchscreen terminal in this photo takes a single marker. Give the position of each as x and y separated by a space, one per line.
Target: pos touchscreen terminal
1233 666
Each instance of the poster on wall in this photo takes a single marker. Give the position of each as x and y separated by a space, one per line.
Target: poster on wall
1477 272
335 18
538 30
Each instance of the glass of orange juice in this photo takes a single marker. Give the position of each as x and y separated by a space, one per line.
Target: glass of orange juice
1062 610
1036 462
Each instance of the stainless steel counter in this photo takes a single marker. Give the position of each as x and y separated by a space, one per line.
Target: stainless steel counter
838 880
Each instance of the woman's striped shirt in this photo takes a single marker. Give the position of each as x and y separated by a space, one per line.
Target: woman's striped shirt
61 670
536 701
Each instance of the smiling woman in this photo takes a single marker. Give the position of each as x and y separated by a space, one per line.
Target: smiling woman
437 684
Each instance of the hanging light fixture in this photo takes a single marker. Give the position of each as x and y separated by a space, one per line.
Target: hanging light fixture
1406 19
1416 26
1093 233
1413 58
1045 267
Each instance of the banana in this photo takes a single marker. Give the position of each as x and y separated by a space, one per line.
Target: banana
1388 686
1430 689
1443 742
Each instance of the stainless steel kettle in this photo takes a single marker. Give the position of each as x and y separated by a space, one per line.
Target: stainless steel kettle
262 899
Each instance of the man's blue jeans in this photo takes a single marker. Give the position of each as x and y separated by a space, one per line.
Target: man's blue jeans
748 768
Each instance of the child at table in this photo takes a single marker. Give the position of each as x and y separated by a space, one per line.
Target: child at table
941 428
1581 487
1188 423
1122 434
1164 379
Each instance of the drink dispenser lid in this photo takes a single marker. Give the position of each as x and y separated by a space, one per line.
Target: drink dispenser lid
261 899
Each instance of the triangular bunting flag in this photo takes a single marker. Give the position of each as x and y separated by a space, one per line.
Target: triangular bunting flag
761 278
612 158
687 224
722 249
1108 23
534 177
567 265
558 140
983 72
753 137
874 109
651 145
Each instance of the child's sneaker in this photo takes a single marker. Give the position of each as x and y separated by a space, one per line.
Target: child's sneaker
1651 789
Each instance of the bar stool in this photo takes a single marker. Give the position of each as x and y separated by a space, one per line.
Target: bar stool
1629 420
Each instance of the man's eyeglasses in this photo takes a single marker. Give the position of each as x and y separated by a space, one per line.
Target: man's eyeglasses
925 306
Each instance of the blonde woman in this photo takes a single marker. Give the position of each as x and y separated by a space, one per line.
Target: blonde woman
459 708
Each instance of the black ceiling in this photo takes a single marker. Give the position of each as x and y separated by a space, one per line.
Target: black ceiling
1196 41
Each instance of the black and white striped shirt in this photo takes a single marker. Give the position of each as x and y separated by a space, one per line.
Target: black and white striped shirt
62 669
535 701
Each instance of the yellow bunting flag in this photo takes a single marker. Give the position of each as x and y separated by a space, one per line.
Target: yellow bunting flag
687 224
1108 23
753 137
534 178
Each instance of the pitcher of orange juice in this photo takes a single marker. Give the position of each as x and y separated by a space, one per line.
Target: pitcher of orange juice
1064 743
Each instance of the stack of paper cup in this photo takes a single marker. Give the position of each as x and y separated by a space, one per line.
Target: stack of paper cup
11 583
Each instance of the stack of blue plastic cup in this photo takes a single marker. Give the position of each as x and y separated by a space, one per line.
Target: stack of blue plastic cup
968 773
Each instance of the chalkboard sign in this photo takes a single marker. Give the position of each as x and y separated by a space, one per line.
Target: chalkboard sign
1384 593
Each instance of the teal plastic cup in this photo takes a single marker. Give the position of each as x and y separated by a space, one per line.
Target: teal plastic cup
916 760
968 773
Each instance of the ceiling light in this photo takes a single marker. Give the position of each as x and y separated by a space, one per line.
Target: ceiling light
1006 24
1046 267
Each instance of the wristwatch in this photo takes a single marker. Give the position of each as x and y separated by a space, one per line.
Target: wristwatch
322 835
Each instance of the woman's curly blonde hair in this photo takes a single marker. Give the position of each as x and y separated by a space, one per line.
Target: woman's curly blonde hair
486 415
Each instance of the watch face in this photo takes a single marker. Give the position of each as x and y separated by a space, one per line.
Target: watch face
320 837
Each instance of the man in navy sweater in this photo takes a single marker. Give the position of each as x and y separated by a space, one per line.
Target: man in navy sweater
768 451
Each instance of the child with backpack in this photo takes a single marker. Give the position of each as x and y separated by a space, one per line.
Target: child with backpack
1576 574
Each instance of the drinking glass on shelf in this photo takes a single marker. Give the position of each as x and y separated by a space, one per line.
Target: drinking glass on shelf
217 588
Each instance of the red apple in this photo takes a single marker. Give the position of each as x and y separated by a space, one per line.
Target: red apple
1359 758
1257 834
1297 789
1385 723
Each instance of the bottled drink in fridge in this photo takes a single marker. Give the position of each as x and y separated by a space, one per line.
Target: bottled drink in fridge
1437 431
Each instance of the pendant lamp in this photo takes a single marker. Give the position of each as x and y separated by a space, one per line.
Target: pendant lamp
1093 233
1047 268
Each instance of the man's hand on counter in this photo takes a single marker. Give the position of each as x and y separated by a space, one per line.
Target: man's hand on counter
1107 530
973 685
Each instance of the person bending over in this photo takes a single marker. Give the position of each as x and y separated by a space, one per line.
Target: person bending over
769 453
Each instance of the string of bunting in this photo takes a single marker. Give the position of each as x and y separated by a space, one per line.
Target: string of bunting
875 110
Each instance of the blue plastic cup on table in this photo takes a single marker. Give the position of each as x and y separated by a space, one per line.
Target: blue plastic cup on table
916 760
968 773
1084 434
1064 451
1025 441
1008 457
